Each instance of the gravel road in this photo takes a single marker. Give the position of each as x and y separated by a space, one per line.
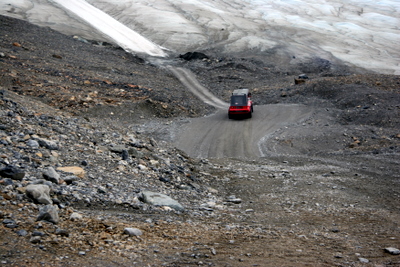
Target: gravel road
216 136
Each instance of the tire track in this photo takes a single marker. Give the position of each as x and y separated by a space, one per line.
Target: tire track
187 78
216 136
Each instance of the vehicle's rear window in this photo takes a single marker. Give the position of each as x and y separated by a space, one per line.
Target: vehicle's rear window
238 100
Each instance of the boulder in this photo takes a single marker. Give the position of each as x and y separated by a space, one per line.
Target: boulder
49 213
12 172
49 144
392 250
40 193
75 170
51 175
158 199
133 231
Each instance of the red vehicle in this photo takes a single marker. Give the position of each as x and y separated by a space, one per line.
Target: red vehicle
241 104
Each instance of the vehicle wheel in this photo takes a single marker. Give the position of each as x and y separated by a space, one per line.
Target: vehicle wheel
230 116
250 115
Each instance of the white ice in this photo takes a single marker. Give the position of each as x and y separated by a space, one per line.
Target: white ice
361 33
125 37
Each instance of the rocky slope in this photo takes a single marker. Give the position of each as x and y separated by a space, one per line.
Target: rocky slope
76 164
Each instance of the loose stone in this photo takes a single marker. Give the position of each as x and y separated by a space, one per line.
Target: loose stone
70 179
234 200
22 232
35 239
40 193
51 175
62 232
38 233
158 199
75 170
51 145
49 213
392 250
75 216
32 143
133 231
125 154
12 172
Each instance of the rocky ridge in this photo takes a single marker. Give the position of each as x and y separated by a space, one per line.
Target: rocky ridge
55 165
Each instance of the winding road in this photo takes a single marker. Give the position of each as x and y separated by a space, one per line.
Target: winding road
218 137
187 78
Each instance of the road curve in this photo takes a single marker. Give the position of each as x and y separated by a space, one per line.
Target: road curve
216 136
187 78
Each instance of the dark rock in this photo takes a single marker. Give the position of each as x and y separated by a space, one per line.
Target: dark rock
62 232
12 172
12 225
70 179
125 154
38 233
22 232
8 221
164 179
299 81
7 181
193 56
35 240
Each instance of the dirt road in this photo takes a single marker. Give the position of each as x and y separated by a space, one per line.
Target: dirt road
216 136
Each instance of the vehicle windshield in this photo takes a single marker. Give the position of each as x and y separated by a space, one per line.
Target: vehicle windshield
238 100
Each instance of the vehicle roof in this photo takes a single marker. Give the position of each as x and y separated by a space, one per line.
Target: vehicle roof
240 92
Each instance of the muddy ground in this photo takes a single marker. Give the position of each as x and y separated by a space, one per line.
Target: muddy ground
325 191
